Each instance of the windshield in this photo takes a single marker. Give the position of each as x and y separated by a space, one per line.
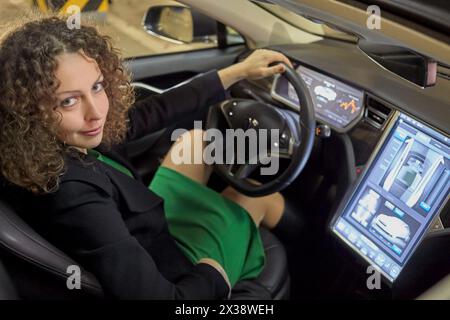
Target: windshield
307 24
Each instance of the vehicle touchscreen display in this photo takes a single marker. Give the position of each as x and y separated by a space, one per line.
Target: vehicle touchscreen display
400 194
335 103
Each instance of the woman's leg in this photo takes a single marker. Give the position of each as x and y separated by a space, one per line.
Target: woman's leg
266 210
192 140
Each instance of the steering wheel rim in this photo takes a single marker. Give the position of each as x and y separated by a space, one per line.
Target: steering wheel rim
300 147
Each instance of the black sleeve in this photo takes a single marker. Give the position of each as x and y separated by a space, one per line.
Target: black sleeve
92 231
156 112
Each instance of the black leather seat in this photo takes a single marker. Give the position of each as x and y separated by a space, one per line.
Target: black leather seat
38 269
7 289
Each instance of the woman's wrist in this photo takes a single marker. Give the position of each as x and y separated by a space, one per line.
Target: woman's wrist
232 74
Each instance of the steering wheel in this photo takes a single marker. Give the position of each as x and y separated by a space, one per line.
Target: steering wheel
296 137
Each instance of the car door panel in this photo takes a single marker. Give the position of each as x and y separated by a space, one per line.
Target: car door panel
154 75
165 71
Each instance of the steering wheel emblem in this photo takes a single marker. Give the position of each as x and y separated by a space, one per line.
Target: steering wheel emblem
253 122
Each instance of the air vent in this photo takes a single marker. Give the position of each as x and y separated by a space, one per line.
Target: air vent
377 112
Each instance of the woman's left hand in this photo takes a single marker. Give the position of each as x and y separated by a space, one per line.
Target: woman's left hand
255 66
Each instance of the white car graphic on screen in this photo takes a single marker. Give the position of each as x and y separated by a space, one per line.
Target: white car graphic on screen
392 229
325 92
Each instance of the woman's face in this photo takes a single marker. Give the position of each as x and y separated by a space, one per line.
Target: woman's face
82 101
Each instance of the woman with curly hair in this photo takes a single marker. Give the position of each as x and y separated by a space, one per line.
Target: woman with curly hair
66 110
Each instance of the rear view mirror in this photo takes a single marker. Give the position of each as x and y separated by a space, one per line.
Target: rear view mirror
405 63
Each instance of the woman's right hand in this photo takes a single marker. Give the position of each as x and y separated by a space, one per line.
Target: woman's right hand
218 267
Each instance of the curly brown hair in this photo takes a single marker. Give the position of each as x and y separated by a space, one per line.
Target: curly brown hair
31 155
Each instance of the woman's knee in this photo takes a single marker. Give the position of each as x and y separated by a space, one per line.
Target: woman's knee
255 208
275 209
186 156
187 149
265 210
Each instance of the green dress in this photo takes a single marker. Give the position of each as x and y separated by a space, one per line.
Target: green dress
205 224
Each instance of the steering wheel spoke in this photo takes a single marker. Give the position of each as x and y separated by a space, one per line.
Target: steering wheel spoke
241 171
286 149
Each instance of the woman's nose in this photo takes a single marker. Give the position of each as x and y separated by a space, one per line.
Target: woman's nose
92 111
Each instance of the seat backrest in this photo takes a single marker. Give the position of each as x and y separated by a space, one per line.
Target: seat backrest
7 289
38 269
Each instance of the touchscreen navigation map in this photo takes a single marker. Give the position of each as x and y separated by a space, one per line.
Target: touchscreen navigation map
398 198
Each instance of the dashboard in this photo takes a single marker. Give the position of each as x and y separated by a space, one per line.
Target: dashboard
336 103
401 149
405 185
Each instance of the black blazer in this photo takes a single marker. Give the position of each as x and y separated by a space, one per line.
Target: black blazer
115 226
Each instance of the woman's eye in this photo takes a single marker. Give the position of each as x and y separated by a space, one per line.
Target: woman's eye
98 86
68 102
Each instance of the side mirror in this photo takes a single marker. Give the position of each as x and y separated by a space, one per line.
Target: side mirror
180 24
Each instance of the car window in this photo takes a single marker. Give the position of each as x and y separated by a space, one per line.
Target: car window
122 20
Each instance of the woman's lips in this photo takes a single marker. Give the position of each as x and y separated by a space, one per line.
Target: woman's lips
92 132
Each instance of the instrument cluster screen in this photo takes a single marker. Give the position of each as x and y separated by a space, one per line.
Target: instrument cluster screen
335 103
